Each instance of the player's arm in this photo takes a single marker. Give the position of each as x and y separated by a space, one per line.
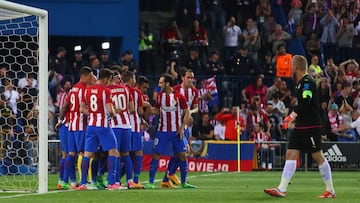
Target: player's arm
155 110
111 109
62 112
195 109
131 107
195 103
84 109
64 109
186 117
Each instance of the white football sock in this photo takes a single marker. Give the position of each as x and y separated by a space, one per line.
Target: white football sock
288 172
325 172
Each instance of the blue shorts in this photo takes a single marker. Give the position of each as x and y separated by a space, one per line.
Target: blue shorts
96 136
63 136
76 141
123 138
136 141
163 139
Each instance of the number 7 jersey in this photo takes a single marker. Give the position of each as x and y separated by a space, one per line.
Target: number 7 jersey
96 98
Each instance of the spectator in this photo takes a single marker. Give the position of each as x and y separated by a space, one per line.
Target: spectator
335 120
311 21
263 11
146 52
60 64
266 150
296 11
194 63
232 33
278 37
256 116
206 130
257 88
324 90
171 38
278 106
313 46
233 123
345 35
105 61
273 89
351 68
266 30
3 75
345 99
242 64
213 65
285 94
275 123
78 63
220 127
192 129
331 70
252 39
283 62
268 67
217 16
356 96
128 62
314 69
95 66
198 38
11 97
328 38
356 121
245 9
28 81
204 97
190 10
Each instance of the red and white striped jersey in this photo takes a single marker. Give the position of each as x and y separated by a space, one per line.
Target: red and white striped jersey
203 104
138 102
74 98
66 120
121 98
191 94
260 138
171 105
96 98
61 98
335 120
145 98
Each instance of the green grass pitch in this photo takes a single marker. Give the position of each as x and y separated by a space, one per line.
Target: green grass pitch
212 187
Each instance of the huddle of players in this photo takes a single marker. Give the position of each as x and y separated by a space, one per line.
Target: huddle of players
100 122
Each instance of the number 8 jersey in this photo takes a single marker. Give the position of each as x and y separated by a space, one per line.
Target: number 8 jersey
96 98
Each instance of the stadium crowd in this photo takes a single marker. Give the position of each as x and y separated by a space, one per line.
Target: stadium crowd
234 41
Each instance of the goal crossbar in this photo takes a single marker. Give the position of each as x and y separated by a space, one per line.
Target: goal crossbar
18 10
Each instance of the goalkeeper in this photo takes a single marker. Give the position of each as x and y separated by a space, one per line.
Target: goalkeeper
306 136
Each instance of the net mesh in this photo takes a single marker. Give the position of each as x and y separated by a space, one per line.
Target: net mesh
18 104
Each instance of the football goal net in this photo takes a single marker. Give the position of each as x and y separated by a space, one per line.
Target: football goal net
24 98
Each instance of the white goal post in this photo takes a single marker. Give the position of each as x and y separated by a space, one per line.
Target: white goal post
9 10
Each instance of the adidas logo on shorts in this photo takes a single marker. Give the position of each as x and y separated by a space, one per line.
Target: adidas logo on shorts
334 154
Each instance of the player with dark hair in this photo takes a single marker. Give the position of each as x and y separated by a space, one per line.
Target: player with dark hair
135 120
77 125
97 104
124 106
174 115
307 131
